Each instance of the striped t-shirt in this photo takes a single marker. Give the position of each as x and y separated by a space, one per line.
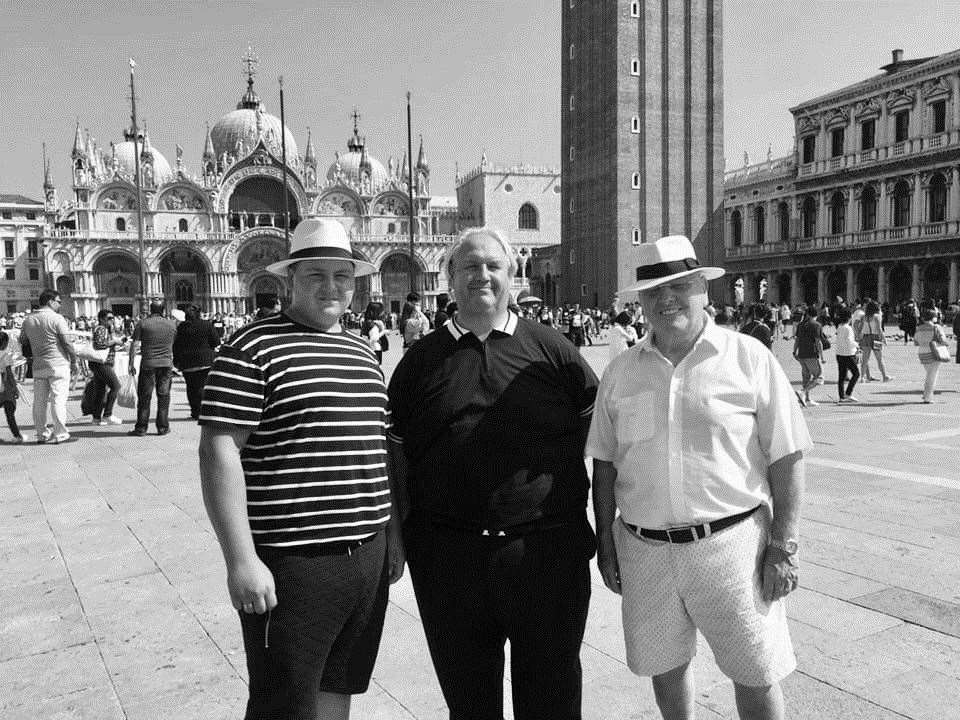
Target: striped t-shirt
315 463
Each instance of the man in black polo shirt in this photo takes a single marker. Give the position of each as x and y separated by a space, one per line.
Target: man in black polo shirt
490 415
154 337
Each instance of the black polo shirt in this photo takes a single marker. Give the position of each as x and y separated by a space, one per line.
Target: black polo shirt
473 414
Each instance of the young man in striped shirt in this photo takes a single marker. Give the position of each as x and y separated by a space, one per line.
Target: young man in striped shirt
294 474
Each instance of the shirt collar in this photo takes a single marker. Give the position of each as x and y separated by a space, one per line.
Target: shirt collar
458 331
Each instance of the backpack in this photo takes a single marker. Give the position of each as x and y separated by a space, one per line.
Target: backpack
384 341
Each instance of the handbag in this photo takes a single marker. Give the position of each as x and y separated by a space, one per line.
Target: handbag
127 397
940 352
825 341
88 401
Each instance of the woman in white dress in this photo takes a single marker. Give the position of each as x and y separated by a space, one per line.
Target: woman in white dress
622 335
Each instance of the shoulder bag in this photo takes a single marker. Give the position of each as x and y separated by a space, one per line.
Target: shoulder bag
941 352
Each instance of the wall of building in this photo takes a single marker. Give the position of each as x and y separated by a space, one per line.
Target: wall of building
21 254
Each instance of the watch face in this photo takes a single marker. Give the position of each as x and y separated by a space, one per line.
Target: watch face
790 546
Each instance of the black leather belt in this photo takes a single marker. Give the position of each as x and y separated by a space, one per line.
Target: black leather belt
692 533
518 530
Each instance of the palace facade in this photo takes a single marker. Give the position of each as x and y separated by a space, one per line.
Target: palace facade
868 204
209 234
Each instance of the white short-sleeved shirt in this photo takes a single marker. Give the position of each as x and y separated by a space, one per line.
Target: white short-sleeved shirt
693 443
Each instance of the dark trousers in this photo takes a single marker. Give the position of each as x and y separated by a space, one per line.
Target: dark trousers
10 410
847 364
195 380
107 385
476 592
150 377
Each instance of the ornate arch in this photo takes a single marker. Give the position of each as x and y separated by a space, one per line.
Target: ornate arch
173 247
228 259
118 196
91 260
182 196
339 200
391 203
235 176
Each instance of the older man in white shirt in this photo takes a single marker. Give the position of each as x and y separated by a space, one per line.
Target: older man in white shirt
697 440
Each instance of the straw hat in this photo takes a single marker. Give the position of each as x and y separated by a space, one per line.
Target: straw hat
666 260
321 239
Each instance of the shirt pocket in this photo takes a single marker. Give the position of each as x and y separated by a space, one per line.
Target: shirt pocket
635 417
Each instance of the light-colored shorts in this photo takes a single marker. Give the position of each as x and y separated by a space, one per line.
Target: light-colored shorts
713 585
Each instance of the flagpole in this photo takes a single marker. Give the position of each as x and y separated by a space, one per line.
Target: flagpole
410 192
286 193
136 174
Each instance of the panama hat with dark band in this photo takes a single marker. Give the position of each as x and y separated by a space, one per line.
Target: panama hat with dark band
669 258
321 239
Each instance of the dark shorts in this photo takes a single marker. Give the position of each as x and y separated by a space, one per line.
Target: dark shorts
324 633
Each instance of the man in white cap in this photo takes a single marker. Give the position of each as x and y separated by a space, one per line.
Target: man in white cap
697 441
294 475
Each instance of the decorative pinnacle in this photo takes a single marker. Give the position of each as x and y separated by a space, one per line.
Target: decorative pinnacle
251 63
356 118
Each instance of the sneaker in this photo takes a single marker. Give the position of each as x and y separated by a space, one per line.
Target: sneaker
17 440
137 433
851 398
60 438
812 403
112 420
888 378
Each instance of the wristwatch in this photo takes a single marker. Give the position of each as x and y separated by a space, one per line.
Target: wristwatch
790 546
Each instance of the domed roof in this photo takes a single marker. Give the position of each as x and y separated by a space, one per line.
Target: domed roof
126 163
350 163
245 126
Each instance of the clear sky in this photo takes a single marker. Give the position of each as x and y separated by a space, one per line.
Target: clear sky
485 75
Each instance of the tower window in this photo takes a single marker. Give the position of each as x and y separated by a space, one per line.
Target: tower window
121 224
182 225
33 274
836 142
635 124
571 102
635 9
808 149
573 51
635 181
571 206
868 135
10 273
634 66
635 238
573 152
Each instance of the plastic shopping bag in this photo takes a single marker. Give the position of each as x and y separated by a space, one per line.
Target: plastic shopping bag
127 397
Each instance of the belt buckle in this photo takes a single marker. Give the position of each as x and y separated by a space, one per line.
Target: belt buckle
686 530
488 533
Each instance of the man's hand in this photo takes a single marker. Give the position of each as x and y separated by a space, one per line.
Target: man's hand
608 563
251 587
779 574
396 555
518 501
132 369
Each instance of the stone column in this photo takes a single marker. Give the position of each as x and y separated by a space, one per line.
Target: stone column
954 210
953 292
821 285
881 283
955 95
795 295
915 284
851 290
917 201
850 223
883 207
749 289
771 209
773 290
882 133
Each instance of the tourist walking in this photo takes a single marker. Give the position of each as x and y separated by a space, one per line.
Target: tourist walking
872 341
847 349
9 392
294 476
106 384
755 327
932 344
909 317
698 444
193 349
622 334
153 336
51 348
490 414
413 323
808 346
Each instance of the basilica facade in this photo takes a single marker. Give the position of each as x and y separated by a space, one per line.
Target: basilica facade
209 233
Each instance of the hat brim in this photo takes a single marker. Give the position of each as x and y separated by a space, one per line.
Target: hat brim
361 267
709 273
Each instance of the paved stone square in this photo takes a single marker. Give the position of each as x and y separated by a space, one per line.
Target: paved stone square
115 603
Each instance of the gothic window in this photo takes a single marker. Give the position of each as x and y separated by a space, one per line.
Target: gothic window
783 216
121 224
391 228
184 291
939 112
636 241
635 124
938 198
32 249
868 135
10 273
901 126
868 209
634 66
635 9
635 181
808 149
33 274
901 204
836 142
182 225
760 224
838 213
736 228
527 217
809 217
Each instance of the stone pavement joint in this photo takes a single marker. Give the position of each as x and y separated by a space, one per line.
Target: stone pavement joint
116 605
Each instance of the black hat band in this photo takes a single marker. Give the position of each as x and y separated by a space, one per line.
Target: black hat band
664 269
321 252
